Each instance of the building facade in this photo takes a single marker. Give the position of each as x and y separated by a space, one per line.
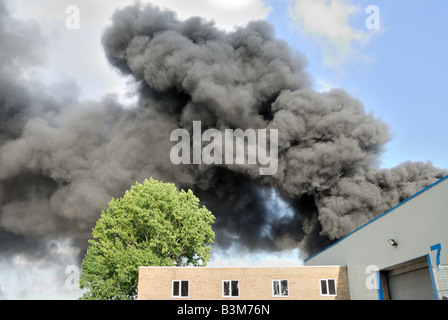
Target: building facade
246 283
402 254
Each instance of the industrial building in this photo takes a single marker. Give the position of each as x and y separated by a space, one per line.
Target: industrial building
402 254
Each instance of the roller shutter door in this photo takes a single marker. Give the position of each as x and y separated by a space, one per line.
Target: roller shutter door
411 281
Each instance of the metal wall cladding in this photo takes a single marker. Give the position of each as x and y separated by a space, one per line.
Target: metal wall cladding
418 225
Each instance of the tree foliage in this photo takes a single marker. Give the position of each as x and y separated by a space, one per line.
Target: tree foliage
151 225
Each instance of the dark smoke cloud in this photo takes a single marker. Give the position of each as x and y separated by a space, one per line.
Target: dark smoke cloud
62 159
329 146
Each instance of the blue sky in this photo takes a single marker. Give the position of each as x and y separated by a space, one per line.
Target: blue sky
399 73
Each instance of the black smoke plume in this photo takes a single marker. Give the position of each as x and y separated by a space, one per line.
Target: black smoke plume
62 159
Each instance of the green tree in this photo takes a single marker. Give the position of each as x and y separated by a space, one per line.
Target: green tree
151 225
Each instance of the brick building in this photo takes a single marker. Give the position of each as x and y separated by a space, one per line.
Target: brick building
246 283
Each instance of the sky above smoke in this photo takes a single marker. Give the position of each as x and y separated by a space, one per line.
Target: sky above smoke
63 157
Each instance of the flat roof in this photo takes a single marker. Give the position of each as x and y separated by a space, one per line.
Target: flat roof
238 267
380 216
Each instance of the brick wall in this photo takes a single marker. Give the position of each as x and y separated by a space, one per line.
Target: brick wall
155 283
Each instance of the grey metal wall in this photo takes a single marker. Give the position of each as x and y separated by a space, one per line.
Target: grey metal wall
419 225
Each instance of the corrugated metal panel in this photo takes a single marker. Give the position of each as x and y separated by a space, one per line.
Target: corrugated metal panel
416 224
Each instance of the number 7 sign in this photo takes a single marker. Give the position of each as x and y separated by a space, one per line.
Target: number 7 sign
437 247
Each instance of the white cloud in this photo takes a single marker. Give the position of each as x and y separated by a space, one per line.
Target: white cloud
78 54
329 22
24 279
324 85
226 14
231 258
